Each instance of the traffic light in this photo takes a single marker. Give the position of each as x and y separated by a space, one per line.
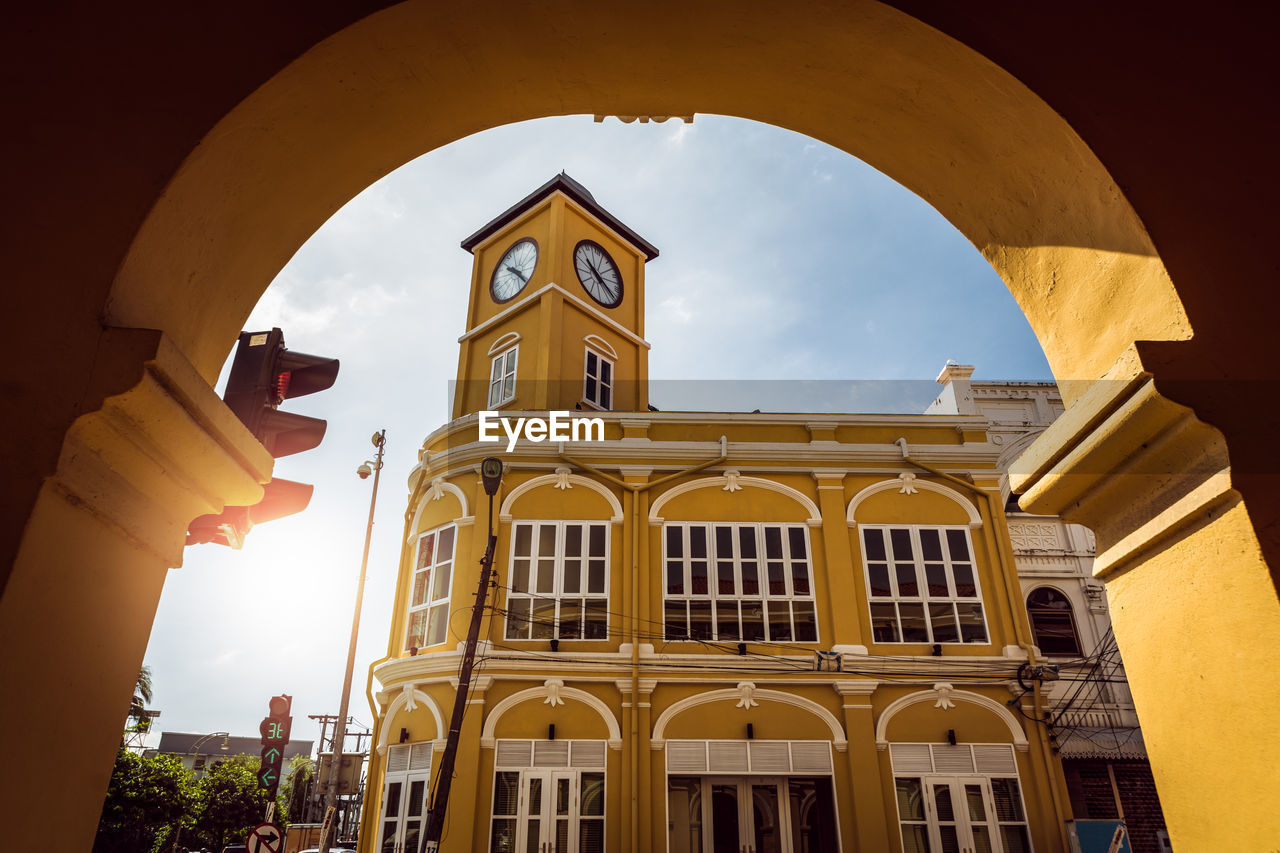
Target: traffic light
275 737
263 375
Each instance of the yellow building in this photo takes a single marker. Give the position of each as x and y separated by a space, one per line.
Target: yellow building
708 632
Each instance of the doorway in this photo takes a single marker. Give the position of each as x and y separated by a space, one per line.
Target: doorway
750 814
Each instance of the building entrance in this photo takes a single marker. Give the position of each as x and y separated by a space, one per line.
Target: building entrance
750 814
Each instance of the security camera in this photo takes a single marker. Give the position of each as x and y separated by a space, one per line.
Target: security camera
364 471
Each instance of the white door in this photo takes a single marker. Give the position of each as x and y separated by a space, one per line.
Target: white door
404 813
557 811
961 814
747 814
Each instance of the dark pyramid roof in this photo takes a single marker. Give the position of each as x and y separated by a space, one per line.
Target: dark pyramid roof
575 191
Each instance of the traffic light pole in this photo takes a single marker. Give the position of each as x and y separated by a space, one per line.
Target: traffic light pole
340 726
444 778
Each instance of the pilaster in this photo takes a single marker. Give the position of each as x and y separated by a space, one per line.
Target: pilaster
1184 571
77 610
868 798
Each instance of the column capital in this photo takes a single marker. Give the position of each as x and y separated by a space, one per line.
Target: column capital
1128 463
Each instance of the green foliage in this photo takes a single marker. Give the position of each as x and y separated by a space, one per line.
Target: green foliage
297 785
231 803
146 798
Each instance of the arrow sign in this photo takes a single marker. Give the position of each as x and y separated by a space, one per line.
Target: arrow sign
268 776
272 755
265 838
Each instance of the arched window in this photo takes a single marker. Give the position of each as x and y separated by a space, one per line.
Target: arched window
1053 623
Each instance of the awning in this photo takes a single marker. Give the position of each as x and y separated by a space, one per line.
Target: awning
1087 742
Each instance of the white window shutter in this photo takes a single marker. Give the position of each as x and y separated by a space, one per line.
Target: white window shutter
952 759
420 756
397 759
911 757
551 753
727 756
994 758
588 754
686 756
810 757
769 756
512 753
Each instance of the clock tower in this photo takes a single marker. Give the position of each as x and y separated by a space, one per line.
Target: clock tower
555 318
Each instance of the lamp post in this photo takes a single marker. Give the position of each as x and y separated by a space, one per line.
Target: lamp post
491 478
340 727
226 737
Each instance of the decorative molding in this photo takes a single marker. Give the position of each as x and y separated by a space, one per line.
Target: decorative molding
553 687
560 481
855 688
951 696
504 343
601 346
488 738
901 483
746 691
734 481
756 694
533 298
944 691
438 489
409 697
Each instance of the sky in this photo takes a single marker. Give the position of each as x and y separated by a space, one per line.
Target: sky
786 265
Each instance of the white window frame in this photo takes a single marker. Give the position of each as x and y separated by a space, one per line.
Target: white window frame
598 400
957 766
734 601
416 759
550 773
432 604
529 625
502 377
918 561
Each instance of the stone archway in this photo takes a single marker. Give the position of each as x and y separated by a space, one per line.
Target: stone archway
149 269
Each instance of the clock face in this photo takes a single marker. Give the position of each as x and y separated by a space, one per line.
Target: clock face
514 270
598 273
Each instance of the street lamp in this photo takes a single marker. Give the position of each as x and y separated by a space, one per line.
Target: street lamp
201 741
340 727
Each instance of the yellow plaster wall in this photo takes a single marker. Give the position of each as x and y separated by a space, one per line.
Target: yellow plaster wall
751 503
420 723
892 507
578 503
923 723
574 720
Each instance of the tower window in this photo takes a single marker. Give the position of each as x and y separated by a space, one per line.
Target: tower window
598 385
502 378
1052 622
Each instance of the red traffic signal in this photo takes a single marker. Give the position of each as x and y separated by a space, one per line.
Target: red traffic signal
263 375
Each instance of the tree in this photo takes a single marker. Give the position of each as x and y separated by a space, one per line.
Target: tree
297 786
146 798
141 692
231 802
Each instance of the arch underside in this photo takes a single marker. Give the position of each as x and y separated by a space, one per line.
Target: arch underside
971 140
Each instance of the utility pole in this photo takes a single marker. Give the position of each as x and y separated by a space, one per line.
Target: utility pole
340 725
491 476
